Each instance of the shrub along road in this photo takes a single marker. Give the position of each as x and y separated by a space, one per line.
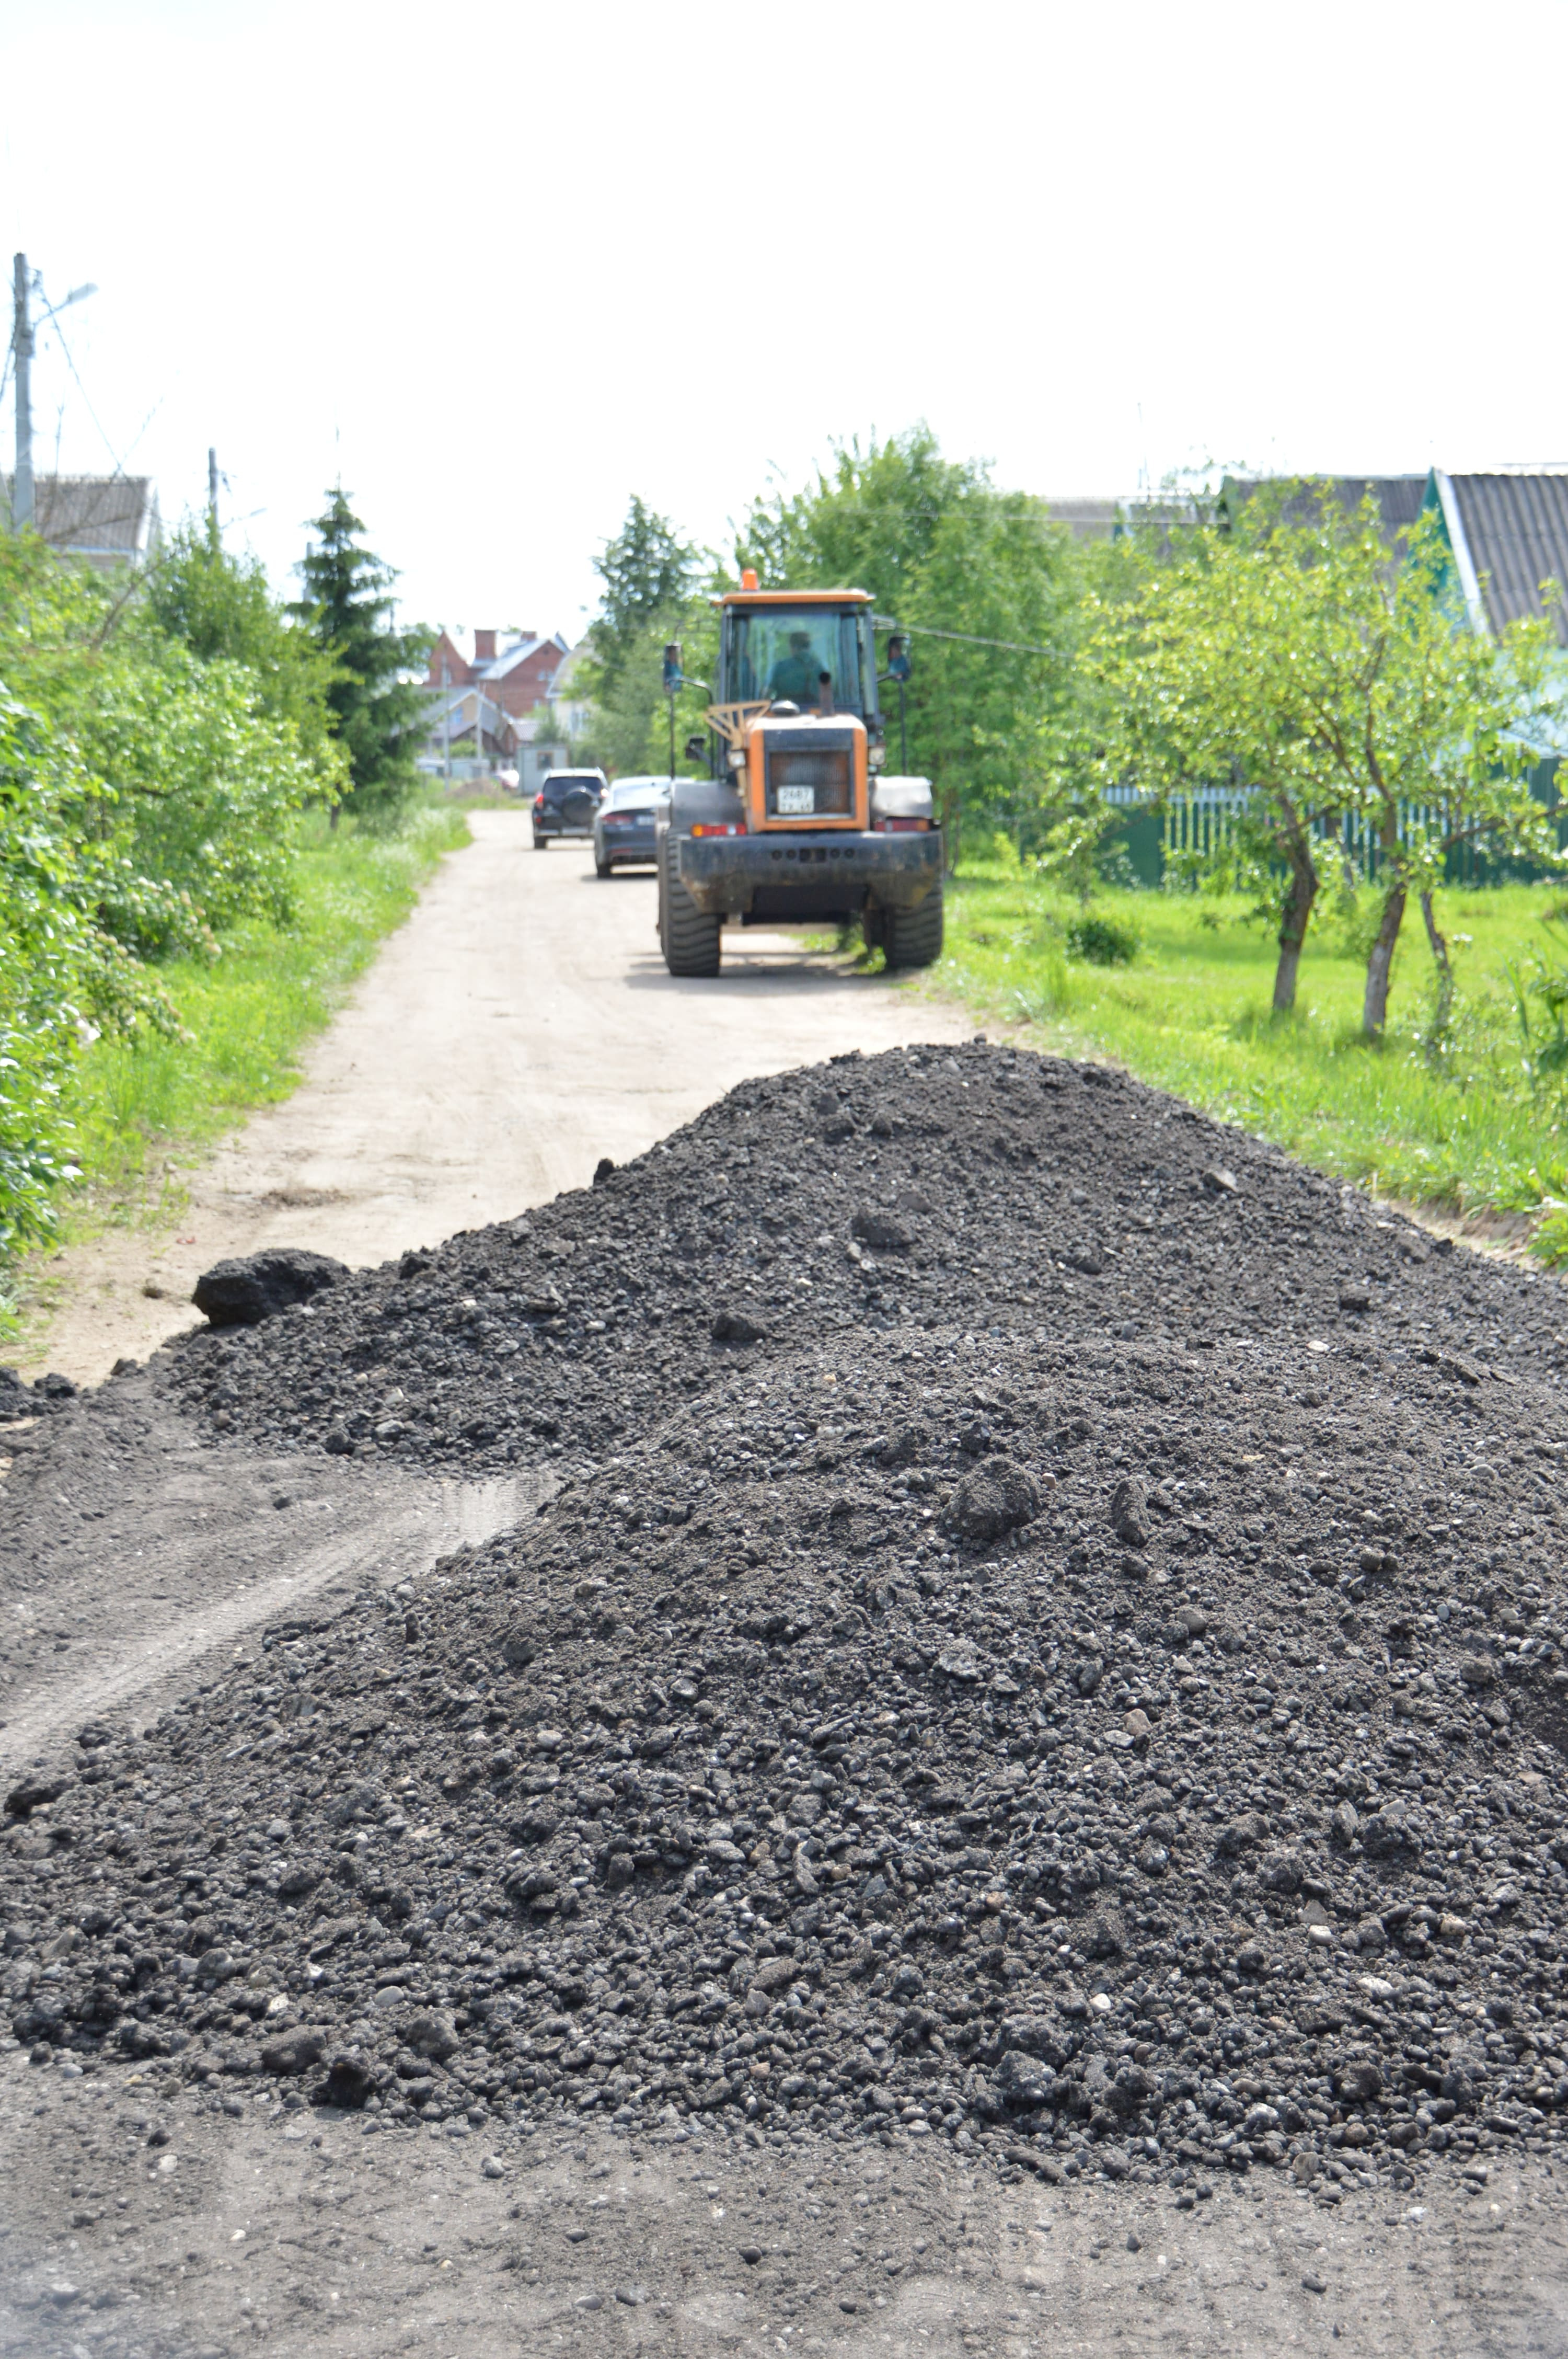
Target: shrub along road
517 1028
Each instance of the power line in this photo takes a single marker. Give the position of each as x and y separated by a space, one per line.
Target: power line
926 631
65 348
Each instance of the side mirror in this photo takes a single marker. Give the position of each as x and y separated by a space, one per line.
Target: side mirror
695 747
898 659
673 678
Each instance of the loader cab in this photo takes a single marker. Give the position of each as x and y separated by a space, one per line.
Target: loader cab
778 644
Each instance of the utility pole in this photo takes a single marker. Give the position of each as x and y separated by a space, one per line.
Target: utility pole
22 351
446 718
212 496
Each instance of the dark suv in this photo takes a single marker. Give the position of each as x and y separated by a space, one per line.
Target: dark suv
566 804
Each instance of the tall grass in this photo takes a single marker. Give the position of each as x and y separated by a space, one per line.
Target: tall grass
139 1110
1457 1118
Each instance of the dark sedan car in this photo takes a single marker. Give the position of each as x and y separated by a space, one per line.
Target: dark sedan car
566 804
625 827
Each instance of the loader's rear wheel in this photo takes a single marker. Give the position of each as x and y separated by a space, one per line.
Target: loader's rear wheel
913 937
690 937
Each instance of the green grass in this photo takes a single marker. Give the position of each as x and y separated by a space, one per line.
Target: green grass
1454 1123
142 1111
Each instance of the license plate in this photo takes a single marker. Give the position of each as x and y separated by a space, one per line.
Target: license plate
796 802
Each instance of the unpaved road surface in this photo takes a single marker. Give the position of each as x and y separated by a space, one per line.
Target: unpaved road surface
519 1026
187 2205
133 1557
198 2224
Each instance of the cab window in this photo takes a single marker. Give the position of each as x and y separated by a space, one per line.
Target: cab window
782 652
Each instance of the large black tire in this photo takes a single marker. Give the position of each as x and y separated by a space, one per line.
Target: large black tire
601 867
913 937
541 844
873 925
689 937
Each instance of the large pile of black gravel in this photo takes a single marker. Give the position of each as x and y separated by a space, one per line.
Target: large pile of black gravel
1085 1746
981 1187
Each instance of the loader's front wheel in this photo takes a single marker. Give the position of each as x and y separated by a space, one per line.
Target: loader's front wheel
689 936
913 937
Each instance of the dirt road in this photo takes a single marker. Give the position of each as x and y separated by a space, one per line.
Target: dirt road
190 2204
519 1026
184 2222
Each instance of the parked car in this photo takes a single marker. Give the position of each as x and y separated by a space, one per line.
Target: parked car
626 825
565 805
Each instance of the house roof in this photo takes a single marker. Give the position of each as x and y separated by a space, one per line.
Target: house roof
519 645
1087 520
1508 533
510 657
110 518
1398 497
458 708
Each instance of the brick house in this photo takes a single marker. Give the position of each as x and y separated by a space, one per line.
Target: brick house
487 692
516 677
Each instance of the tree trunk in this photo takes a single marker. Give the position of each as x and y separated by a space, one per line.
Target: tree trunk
1445 967
1299 895
1346 866
1375 1009
332 818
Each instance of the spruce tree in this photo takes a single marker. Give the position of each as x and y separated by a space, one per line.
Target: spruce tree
379 712
647 572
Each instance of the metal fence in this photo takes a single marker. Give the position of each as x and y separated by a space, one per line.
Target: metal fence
1200 826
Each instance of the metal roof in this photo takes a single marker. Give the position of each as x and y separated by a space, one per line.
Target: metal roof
1398 497
109 520
1515 530
1087 518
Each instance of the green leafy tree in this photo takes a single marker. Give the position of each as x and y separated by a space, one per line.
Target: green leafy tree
955 561
220 605
628 711
56 620
1296 659
378 711
1190 699
188 787
207 790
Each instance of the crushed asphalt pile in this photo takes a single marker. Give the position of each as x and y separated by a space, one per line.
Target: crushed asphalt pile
980 1188
1084 1680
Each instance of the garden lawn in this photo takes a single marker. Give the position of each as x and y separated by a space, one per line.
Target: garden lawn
1455 1123
140 1110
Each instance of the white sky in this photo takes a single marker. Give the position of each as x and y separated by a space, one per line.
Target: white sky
504 265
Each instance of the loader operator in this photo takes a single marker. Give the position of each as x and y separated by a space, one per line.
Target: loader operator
795 676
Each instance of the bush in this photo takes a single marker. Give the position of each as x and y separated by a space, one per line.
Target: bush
1103 942
63 978
207 788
